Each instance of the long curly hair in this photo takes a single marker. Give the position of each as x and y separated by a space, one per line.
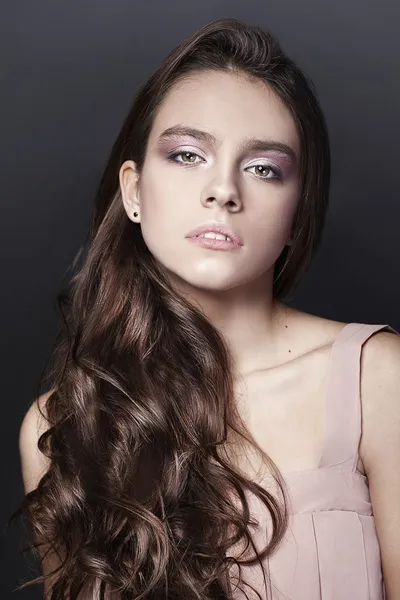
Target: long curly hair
142 500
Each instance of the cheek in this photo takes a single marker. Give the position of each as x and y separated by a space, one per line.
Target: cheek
265 247
285 211
154 205
274 221
159 220
165 205
270 231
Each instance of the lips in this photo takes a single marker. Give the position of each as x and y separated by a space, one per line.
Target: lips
213 226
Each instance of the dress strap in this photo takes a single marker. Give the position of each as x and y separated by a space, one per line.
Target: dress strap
343 400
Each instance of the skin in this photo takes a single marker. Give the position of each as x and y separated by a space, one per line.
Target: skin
233 288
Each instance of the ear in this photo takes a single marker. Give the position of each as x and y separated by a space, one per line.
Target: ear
129 184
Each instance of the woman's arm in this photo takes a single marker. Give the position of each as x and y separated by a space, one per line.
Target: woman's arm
380 393
34 465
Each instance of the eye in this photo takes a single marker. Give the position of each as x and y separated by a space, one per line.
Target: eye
174 155
276 172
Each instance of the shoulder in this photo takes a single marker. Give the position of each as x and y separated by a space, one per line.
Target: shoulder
380 397
380 394
380 368
35 419
381 354
33 463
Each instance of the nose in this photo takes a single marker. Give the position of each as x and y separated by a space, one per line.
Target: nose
226 194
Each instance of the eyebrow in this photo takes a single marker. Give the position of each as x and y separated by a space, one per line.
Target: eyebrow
248 145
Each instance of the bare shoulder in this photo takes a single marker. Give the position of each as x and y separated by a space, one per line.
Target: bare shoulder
381 351
380 392
33 463
380 364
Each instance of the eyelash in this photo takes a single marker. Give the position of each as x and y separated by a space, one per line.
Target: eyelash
277 172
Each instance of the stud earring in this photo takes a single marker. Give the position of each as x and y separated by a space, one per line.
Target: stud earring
135 214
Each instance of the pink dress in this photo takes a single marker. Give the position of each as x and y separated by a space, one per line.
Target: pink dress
331 549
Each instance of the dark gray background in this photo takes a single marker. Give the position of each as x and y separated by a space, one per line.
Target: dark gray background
69 71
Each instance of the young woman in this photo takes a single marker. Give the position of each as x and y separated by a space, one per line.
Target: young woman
200 438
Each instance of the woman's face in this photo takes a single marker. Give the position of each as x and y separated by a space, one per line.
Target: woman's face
254 191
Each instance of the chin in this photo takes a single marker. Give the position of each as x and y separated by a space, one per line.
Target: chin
207 284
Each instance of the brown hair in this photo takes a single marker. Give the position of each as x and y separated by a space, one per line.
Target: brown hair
141 499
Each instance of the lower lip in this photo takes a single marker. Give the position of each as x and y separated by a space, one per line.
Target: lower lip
214 244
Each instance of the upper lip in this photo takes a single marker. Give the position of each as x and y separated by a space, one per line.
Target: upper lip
216 227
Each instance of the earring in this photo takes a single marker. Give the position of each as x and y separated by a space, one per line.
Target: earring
135 214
